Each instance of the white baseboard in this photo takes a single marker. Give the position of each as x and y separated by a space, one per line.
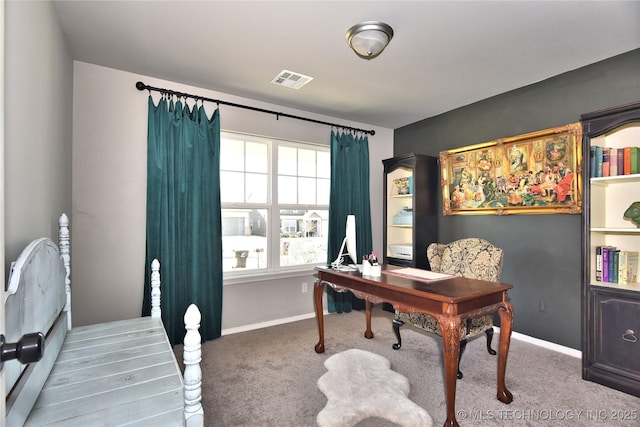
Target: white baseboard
516 335
274 322
546 344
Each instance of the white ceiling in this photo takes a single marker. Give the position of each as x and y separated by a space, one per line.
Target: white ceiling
444 54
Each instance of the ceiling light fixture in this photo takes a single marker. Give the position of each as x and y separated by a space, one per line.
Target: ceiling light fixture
368 39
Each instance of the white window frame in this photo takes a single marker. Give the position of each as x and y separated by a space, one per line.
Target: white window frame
273 270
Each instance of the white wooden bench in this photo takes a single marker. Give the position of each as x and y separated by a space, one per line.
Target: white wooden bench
108 374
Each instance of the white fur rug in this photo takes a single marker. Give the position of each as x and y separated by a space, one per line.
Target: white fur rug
359 385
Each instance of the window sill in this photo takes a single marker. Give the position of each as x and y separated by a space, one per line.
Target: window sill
265 275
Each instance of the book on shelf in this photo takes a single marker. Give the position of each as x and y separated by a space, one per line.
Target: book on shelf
622 267
620 153
615 265
605 263
613 157
627 160
632 268
598 168
608 161
610 264
606 165
599 263
628 267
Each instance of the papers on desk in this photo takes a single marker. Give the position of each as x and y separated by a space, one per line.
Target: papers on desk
342 267
419 274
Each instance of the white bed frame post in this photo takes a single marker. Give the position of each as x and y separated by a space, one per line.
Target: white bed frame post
193 412
155 289
46 308
63 242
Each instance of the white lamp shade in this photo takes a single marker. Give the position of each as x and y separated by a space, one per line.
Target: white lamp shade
368 39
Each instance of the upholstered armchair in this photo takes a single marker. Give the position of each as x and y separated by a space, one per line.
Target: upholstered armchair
473 258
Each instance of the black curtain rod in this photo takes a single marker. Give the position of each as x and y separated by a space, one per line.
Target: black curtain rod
142 86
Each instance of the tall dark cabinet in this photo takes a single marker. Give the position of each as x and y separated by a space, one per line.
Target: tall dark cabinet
410 209
610 311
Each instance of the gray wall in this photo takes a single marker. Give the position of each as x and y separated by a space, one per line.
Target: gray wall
38 105
542 252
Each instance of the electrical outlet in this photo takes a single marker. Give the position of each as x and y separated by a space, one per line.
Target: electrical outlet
305 287
542 306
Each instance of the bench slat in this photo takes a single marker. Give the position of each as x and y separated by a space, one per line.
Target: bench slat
129 374
102 384
103 359
111 344
132 414
145 397
88 373
159 419
79 333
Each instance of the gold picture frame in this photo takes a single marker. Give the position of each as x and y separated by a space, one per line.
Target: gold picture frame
533 173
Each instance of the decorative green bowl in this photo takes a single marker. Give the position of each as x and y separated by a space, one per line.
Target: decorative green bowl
633 213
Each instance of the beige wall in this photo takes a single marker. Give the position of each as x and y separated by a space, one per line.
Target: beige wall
47 96
109 190
38 114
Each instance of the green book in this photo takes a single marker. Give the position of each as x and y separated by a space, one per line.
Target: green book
634 159
598 162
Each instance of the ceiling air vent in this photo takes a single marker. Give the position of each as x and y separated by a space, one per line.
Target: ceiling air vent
291 80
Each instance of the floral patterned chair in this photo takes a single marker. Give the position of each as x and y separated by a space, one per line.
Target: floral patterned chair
474 258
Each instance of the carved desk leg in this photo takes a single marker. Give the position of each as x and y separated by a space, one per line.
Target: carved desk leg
506 321
368 333
318 288
450 327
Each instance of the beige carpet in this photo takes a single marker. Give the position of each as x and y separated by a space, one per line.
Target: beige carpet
268 377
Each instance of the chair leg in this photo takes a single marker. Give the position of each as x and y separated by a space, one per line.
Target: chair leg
489 333
396 328
463 345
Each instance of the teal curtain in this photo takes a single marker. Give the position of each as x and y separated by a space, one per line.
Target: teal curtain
349 195
183 215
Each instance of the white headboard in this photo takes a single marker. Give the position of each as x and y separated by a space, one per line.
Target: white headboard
35 297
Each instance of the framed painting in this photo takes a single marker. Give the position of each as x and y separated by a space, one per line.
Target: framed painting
534 173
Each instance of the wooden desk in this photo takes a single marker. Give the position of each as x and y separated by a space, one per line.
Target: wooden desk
450 301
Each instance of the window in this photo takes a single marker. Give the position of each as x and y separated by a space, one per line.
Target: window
275 203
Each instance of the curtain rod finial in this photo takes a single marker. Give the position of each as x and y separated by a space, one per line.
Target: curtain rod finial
141 86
